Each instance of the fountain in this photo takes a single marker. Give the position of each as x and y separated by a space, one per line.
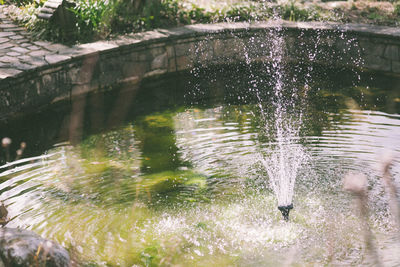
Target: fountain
285 211
284 156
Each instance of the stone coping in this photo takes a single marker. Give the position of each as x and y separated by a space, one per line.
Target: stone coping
47 54
53 72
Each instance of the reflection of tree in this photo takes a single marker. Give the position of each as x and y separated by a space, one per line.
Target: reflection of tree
333 92
157 142
217 141
103 168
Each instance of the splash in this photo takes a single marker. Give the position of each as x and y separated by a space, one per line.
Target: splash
284 155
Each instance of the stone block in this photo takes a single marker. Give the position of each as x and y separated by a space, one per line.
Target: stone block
171 65
22 66
131 56
184 49
5 46
80 89
4 72
396 66
371 48
16 37
377 63
38 53
56 47
13 54
21 41
203 52
132 69
76 75
160 62
7 26
107 78
329 41
61 97
48 82
24 58
256 46
206 28
53 59
184 63
392 52
185 40
24 45
33 47
144 55
8 59
149 36
4 103
34 61
170 51
96 46
291 41
41 43
154 73
341 46
6 34
109 63
134 80
219 48
156 50
52 69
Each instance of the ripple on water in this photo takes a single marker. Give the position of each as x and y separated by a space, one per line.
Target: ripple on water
211 211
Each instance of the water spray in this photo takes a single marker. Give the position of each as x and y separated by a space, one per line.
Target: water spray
285 211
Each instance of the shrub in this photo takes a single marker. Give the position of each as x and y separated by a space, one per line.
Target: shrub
36 3
397 9
98 19
293 13
92 18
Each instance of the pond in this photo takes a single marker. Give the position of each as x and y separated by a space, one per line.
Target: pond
181 174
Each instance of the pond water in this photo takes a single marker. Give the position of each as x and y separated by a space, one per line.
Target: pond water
180 176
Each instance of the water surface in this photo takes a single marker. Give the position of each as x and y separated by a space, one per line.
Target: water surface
182 179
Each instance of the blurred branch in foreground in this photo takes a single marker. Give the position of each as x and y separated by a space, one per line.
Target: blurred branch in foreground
391 189
5 143
356 184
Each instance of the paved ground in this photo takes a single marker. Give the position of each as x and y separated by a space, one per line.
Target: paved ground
18 52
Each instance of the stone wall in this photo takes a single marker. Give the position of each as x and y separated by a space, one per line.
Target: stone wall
131 58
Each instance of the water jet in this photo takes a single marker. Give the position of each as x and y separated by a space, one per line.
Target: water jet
285 211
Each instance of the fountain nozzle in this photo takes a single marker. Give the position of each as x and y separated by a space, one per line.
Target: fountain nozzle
285 211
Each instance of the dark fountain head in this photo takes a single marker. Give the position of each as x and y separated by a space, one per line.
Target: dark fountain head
285 211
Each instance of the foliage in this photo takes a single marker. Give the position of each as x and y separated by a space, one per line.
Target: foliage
379 17
127 18
91 17
95 19
397 9
292 12
36 3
